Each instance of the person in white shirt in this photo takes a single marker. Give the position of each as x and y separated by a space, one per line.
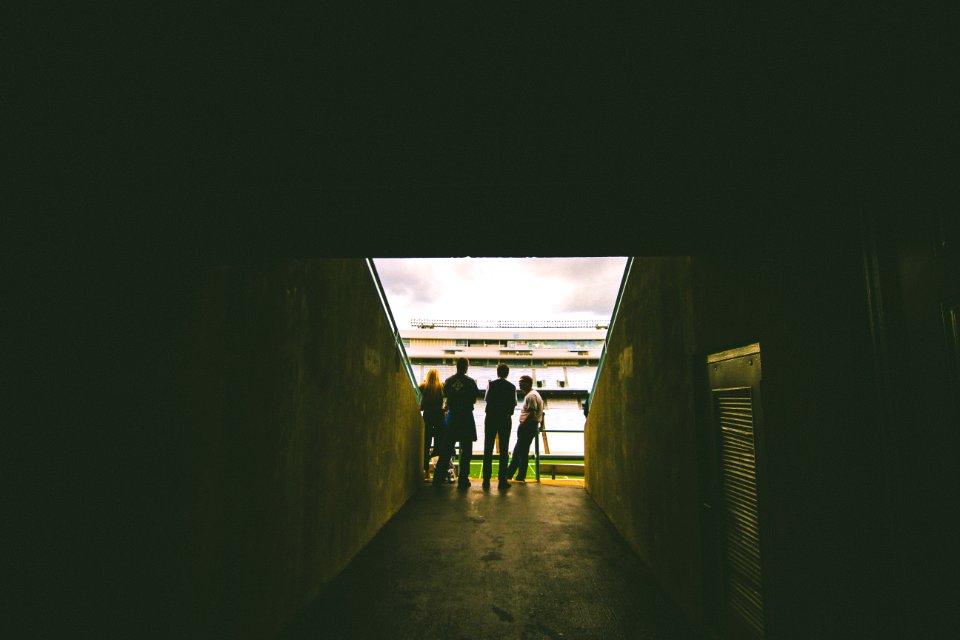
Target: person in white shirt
530 416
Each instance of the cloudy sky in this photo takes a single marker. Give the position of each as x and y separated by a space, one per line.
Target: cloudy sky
500 288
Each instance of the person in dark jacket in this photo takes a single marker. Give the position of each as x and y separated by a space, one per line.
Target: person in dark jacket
461 391
501 401
431 403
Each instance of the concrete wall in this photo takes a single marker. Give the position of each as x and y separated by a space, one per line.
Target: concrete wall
917 279
822 505
243 432
640 447
310 437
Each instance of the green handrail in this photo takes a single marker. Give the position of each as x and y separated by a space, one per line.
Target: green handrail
393 328
536 446
613 320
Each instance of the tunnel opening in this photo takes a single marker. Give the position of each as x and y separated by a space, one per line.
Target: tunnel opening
546 318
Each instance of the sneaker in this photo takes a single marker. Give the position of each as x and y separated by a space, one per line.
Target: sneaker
486 483
503 485
521 481
463 484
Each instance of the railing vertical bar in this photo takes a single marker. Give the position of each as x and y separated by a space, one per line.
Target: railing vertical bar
536 454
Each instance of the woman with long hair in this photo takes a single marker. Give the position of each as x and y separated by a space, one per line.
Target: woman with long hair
431 403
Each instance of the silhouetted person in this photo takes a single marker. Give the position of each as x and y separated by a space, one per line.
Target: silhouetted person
530 416
431 403
501 400
461 391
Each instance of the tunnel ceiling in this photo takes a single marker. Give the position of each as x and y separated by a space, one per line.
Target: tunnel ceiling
315 135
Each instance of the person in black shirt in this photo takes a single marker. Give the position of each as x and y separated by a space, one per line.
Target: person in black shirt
501 400
461 392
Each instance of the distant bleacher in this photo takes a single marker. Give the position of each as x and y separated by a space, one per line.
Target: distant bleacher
581 377
550 377
574 378
556 405
516 372
483 375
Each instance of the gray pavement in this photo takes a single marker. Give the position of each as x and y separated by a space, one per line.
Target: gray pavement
536 561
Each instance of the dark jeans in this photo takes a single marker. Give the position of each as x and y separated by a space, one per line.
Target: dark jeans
492 427
521 452
448 441
432 426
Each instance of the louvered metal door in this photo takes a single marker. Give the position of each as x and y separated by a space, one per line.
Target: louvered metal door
734 391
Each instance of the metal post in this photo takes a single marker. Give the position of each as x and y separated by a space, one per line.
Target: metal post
536 459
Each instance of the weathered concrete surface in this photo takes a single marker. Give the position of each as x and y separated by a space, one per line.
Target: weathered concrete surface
536 561
640 446
211 470
239 430
306 440
820 508
826 559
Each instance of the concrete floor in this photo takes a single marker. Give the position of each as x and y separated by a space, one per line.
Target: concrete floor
537 561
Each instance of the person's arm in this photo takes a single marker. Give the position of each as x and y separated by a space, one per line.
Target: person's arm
530 411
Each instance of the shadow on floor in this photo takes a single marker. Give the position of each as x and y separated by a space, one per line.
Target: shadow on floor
536 561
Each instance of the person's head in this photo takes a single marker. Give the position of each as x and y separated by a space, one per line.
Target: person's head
433 379
526 383
502 370
462 365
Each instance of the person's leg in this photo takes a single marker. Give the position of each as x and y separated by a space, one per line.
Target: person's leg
436 429
521 453
489 437
515 458
466 454
443 459
427 435
504 434
435 450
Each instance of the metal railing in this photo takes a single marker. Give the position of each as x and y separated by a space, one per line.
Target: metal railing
613 320
537 457
394 329
536 447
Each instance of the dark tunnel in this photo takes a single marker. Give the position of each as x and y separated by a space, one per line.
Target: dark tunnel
214 432
235 434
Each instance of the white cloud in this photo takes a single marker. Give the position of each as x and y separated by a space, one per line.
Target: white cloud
500 288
